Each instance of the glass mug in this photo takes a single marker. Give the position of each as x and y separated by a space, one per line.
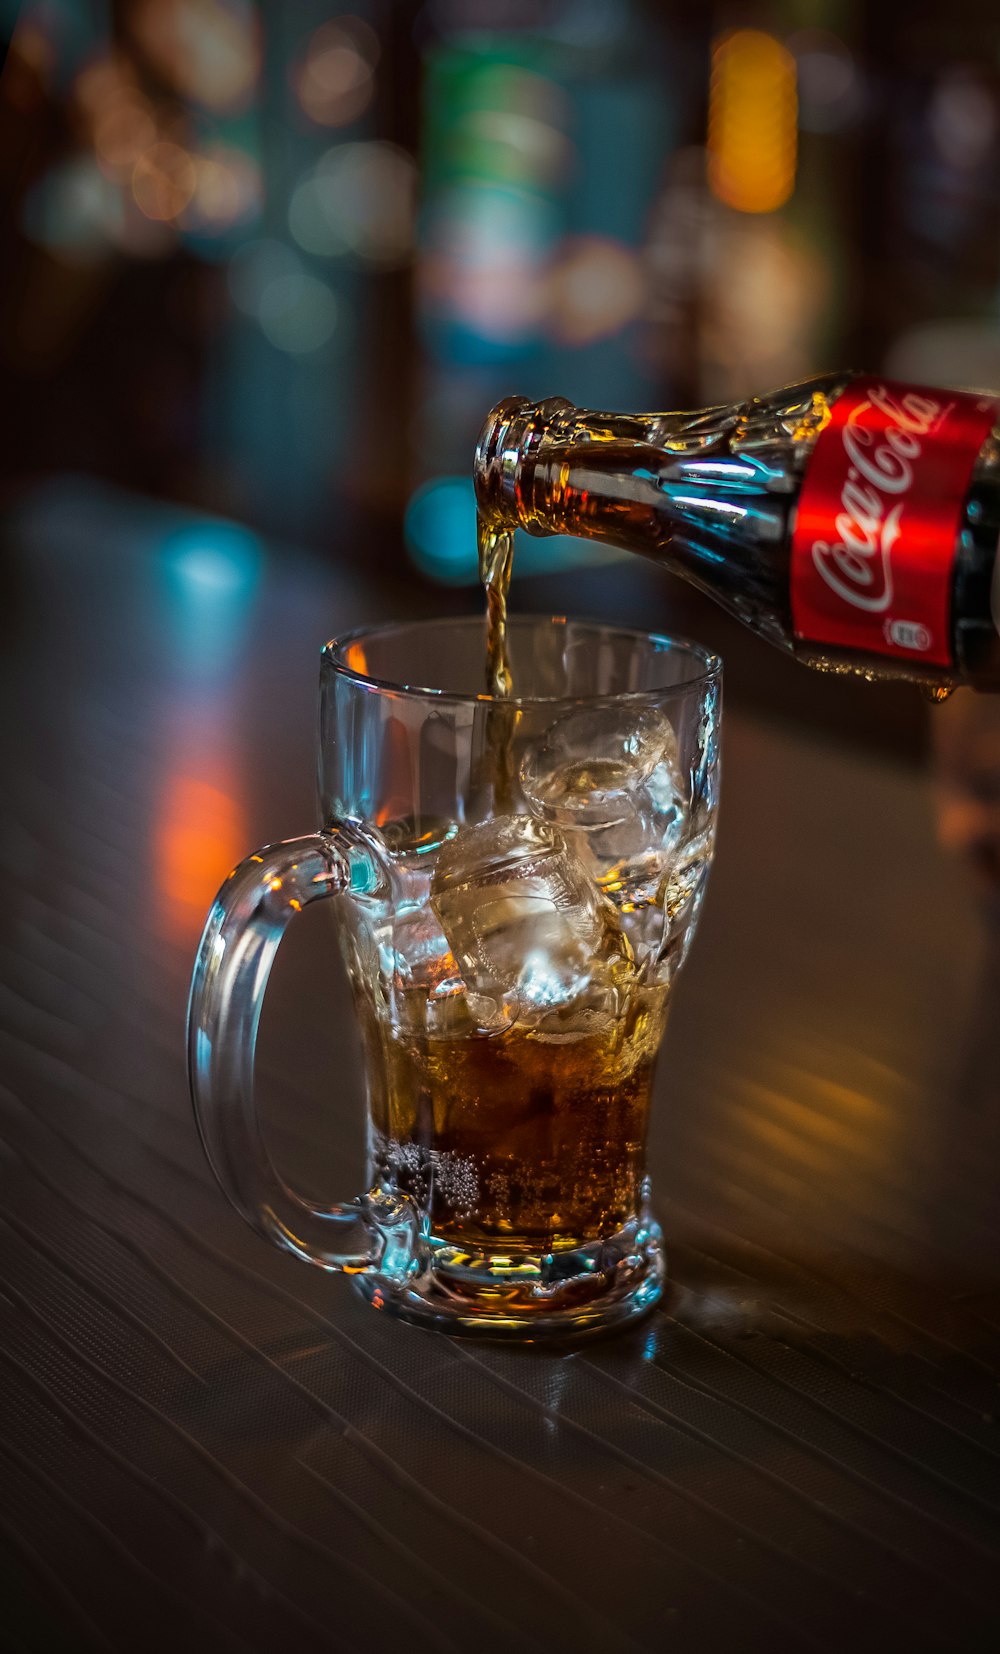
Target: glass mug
516 883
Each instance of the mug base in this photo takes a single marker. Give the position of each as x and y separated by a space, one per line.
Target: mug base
582 1293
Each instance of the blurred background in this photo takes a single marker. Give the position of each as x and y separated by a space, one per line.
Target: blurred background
267 265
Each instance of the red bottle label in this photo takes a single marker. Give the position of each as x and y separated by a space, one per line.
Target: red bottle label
879 515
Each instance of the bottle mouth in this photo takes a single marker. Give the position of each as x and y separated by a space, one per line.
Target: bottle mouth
507 444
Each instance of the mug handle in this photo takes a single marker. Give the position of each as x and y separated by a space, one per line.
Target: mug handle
377 1232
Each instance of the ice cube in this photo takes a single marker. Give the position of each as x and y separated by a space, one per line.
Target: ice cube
666 792
528 930
421 956
611 777
585 770
631 859
682 897
428 993
634 864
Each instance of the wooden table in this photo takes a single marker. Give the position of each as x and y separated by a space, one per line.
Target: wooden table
205 1444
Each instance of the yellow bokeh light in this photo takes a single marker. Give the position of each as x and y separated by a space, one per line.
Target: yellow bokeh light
752 121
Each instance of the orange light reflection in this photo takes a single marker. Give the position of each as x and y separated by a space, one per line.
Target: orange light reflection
397 774
201 831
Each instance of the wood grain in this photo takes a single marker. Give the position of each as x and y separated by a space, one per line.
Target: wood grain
206 1444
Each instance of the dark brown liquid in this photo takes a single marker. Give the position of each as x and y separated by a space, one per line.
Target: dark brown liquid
496 558
520 1140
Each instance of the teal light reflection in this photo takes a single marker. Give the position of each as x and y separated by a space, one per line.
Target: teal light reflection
440 526
212 570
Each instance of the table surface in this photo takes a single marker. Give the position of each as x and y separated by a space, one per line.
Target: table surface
206 1444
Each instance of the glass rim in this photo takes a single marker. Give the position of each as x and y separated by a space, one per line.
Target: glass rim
332 655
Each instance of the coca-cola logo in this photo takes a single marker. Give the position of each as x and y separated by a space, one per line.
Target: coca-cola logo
881 455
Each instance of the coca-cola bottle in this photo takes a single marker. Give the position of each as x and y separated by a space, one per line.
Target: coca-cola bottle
851 520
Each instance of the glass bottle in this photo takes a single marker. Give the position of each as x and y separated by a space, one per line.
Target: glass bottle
851 520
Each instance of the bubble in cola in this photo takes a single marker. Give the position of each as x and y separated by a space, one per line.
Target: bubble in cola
529 931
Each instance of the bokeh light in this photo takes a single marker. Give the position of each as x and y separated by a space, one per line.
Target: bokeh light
213 557
74 212
764 292
173 170
115 114
254 266
519 142
200 833
334 82
596 287
210 571
513 127
358 199
440 528
164 180
298 312
30 61
963 351
123 131
963 118
207 50
486 265
498 162
752 116
228 189
579 227
295 310
830 94
99 82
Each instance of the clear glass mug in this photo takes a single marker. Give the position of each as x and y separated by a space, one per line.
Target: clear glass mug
516 883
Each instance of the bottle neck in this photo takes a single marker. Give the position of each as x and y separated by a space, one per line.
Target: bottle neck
505 458
527 450
787 509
